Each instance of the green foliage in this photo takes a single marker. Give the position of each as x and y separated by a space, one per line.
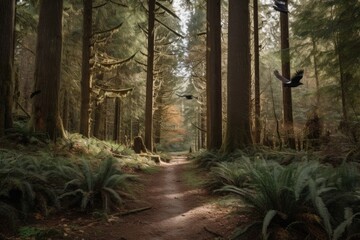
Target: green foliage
227 173
105 186
38 233
24 183
303 200
206 159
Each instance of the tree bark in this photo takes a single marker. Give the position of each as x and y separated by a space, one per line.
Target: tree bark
98 120
7 21
213 75
85 108
316 71
256 74
158 114
117 120
99 114
285 67
45 111
238 133
150 78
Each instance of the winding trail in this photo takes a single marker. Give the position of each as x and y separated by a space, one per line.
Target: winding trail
178 211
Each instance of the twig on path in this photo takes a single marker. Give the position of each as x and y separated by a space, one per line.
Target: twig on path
213 233
137 210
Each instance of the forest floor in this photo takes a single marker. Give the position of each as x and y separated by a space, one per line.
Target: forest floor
178 209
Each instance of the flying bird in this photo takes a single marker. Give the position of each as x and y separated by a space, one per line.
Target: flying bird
187 96
294 81
280 6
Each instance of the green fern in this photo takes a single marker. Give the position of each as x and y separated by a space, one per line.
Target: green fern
277 195
104 186
227 173
24 183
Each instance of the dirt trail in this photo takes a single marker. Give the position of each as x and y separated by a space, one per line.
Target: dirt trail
179 212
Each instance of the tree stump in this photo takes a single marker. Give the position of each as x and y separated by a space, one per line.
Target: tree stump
151 157
139 145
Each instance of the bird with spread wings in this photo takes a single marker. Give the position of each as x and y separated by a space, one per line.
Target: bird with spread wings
187 96
280 6
294 81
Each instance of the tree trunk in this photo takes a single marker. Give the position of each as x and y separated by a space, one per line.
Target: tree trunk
105 118
85 109
257 74
316 70
7 21
343 84
150 78
285 67
213 75
202 115
45 111
99 113
117 120
238 133
157 121
98 120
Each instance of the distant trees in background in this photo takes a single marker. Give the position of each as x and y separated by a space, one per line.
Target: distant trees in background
110 54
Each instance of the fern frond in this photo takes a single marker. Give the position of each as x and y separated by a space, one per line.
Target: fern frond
266 222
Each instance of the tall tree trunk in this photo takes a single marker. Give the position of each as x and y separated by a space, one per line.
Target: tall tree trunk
98 120
316 70
285 67
213 75
85 108
150 78
117 120
45 111
158 119
105 118
238 133
343 88
257 73
7 21
99 113
202 115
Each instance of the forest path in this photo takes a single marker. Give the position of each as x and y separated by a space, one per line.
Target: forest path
178 211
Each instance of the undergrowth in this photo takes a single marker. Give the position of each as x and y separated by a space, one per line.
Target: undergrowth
297 199
41 179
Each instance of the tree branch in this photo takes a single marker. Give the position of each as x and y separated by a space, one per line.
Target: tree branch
107 30
171 30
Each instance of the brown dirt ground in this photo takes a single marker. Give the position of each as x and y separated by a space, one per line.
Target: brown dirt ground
178 211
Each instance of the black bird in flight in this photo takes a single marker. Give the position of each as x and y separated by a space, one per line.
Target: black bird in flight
187 96
280 6
294 81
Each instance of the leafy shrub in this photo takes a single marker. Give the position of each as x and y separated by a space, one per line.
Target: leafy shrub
209 159
38 234
24 183
227 173
297 201
105 186
24 187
